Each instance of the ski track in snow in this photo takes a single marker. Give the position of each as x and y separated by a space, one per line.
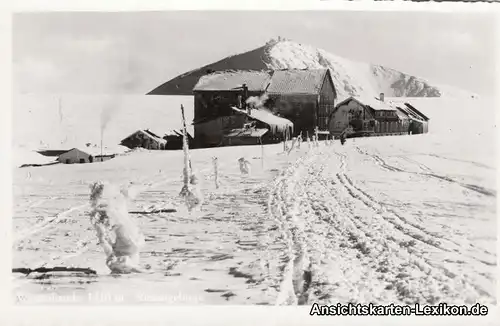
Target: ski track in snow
392 254
428 172
312 234
417 234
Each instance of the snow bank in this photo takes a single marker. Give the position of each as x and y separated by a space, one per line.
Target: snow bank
22 156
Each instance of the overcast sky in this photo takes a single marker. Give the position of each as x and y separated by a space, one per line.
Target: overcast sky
132 53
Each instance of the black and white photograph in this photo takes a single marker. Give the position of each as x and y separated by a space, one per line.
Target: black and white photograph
238 157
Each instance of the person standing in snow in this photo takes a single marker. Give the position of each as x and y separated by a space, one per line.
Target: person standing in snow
343 136
244 165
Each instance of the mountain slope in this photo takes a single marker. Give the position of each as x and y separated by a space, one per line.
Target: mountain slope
350 78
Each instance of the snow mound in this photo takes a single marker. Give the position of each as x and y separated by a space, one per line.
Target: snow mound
22 156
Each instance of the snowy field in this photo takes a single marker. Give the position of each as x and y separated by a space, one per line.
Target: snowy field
400 219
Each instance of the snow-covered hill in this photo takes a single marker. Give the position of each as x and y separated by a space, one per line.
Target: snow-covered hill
350 78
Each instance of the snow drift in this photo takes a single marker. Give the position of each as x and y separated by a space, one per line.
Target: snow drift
22 156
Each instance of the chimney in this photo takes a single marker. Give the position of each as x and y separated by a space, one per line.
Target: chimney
240 101
382 97
245 95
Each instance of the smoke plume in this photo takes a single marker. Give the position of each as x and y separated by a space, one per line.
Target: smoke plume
257 101
109 108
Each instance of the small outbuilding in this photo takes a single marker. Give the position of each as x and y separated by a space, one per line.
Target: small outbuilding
418 122
421 124
90 154
75 156
372 117
145 139
174 140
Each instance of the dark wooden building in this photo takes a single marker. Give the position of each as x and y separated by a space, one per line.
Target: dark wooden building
53 152
366 117
418 122
174 140
145 139
376 117
214 96
304 97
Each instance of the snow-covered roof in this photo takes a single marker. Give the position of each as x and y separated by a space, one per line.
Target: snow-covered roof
270 118
232 80
409 110
374 103
95 150
176 133
306 81
378 105
420 114
53 152
21 156
267 117
288 81
401 114
247 132
148 133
